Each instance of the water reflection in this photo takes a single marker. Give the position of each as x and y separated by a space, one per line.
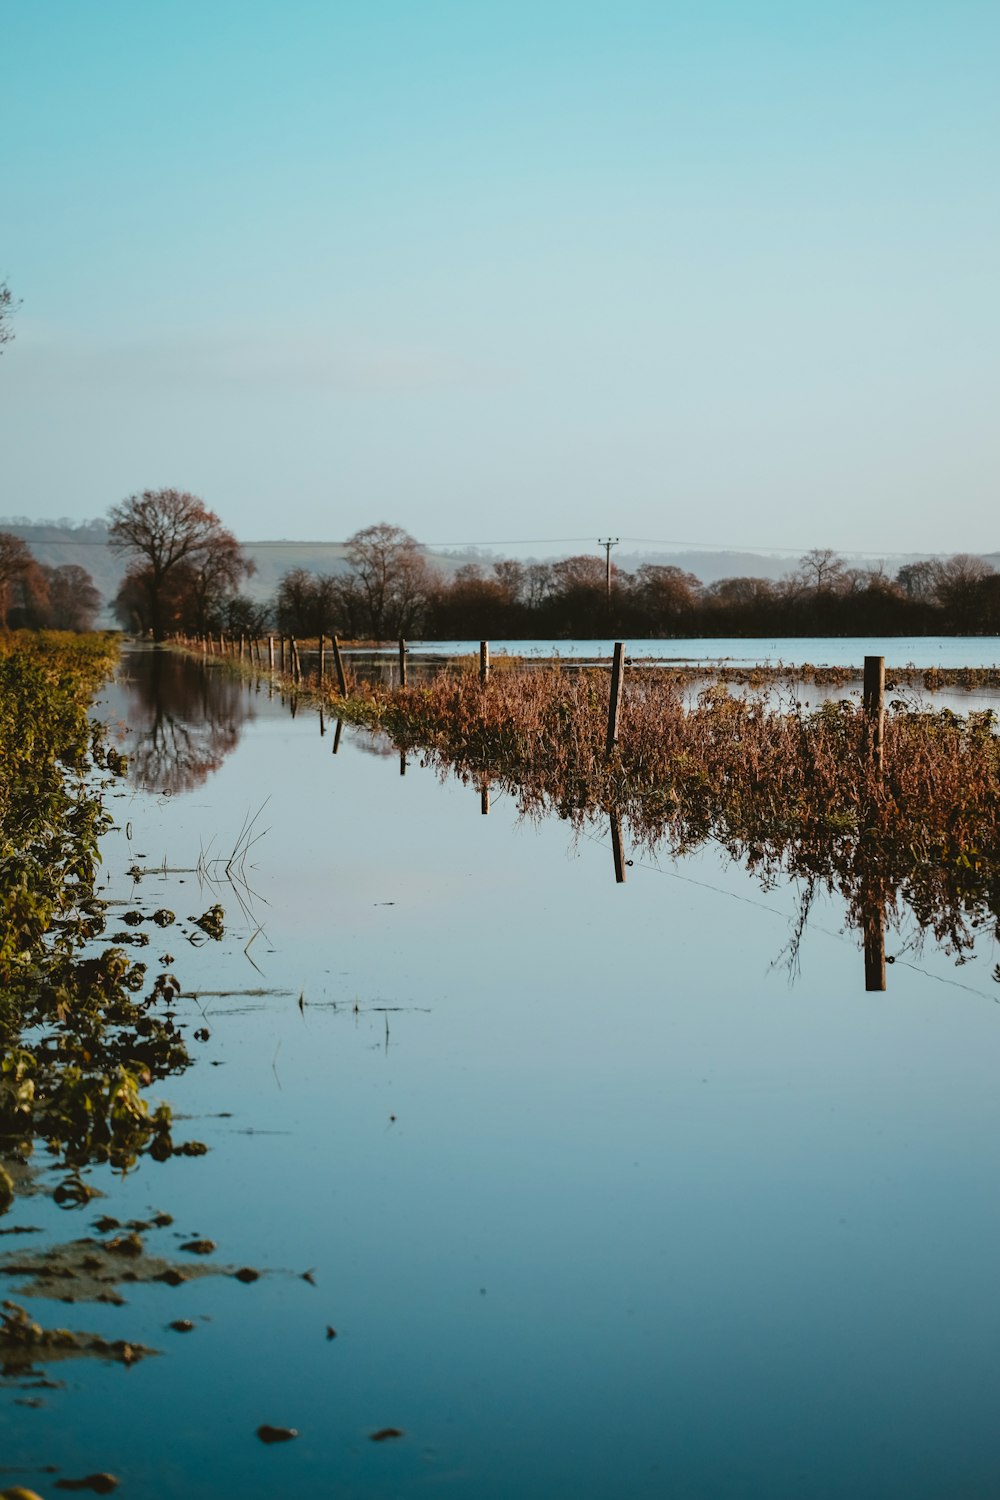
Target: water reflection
184 717
951 905
689 1233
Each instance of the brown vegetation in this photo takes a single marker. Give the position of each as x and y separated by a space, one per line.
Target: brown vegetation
778 789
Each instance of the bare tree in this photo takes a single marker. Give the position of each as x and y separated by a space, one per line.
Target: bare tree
821 569
665 593
16 562
215 574
307 603
959 588
918 580
73 599
391 579
174 540
581 573
741 592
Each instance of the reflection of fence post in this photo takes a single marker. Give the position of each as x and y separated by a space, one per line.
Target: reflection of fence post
402 663
873 924
616 848
484 799
873 699
615 700
336 735
402 762
338 662
484 662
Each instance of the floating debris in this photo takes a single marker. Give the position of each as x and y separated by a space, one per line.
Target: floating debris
211 922
23 1342
268 1434
101 1484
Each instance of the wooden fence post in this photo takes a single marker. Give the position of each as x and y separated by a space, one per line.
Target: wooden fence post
616 848
402 663
270 652
873 928
874 705
484 662
338 662
293 652
615 700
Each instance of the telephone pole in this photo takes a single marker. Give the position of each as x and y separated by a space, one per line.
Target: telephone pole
607 543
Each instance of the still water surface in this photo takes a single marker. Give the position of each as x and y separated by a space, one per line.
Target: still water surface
601 1196
820 651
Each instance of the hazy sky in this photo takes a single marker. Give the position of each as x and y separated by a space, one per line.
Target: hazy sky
713 271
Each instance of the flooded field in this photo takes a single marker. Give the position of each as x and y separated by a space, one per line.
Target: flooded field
827 651
522 1179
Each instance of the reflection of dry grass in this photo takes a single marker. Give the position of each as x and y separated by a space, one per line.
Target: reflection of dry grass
778 788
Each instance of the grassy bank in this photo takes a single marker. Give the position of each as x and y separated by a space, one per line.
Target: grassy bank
77 1045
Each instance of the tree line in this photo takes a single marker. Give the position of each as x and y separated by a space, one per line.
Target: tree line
392 591
185 573
37 597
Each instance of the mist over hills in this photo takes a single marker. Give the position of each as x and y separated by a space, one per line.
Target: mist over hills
85 543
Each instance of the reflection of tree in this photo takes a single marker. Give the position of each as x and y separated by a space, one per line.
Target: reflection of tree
184 716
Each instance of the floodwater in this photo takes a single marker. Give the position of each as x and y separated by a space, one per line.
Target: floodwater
425 658
738 651
606 1189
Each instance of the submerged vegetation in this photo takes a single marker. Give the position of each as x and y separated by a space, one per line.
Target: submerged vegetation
79 1040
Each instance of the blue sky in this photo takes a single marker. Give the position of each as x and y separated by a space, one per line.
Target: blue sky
710 272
